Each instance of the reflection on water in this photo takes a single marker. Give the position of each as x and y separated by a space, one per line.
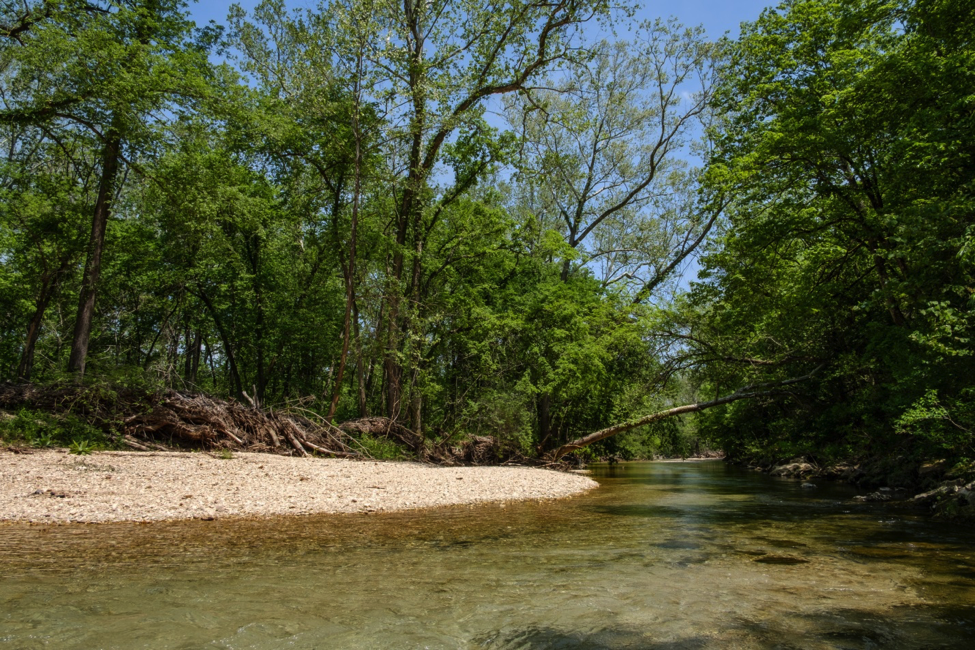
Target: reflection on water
664 555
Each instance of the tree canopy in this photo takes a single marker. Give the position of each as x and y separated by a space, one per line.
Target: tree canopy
484 219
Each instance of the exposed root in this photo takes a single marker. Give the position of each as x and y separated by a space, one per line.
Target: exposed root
183 420
172 419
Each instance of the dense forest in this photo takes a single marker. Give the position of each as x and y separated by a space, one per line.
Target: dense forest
530 220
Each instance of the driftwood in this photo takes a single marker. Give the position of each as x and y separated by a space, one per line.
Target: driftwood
748 392
476 450
147 421
379 427
171 419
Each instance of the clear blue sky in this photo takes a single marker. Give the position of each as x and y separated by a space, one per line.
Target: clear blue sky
717 16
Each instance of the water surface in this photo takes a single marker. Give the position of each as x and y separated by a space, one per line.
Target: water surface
663 555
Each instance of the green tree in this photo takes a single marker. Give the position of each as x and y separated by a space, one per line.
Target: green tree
847 150
104 68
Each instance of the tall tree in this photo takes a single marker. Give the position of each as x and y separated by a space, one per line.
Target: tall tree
606 151
442 61
104 67
845 148
604 162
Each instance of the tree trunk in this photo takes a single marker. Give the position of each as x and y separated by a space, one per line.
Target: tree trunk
193 351
416 401
50 281
409 213
349 269
96 246
26 366
228 350
544 418
346 330
748 392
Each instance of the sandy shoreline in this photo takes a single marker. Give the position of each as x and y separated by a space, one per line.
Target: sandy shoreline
52 486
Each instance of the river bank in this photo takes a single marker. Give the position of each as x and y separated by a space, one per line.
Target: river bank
942 488
53 486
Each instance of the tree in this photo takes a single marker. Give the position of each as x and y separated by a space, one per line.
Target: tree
847 239
47 187
604 149
104 68
744 393
602 161
442 60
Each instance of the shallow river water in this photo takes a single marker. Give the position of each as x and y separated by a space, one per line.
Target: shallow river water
663 555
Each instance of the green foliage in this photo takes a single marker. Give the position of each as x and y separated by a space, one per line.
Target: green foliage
43 430
844 144
381 448
936 422
80 447
348 223
229 266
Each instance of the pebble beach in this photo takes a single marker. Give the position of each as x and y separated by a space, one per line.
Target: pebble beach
53 486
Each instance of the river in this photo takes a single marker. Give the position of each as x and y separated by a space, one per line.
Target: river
663 555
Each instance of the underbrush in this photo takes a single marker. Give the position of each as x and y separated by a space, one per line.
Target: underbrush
38 429
381 448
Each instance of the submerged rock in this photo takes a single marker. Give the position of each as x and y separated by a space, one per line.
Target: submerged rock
943 487
935 469
883 494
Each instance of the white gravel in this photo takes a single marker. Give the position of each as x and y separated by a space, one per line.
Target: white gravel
53 486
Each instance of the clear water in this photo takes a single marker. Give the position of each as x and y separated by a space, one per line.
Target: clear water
663 555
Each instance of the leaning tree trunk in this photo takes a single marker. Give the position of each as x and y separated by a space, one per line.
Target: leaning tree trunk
96 246
237 385
748 392
26 365
50 283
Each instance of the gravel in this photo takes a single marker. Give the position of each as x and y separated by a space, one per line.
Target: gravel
53 486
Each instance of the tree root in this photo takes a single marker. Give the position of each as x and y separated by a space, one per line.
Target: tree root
170 419
182 420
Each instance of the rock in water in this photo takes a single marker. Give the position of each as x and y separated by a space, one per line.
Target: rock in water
808 486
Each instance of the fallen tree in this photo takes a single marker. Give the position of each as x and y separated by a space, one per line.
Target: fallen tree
170 419
747 392
166 420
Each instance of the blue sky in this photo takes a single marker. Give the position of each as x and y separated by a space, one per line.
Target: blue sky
717 16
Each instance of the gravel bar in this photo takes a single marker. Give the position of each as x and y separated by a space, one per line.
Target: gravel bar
52 486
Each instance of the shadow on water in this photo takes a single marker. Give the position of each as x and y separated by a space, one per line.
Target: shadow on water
843 628
541 637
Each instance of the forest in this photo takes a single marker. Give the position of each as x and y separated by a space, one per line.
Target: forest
531 220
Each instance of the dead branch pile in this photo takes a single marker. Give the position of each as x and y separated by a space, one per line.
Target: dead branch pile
201 421
379 427
170 419
485 450
184 420
476 450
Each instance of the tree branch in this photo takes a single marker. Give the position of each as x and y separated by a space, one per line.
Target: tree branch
747 392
